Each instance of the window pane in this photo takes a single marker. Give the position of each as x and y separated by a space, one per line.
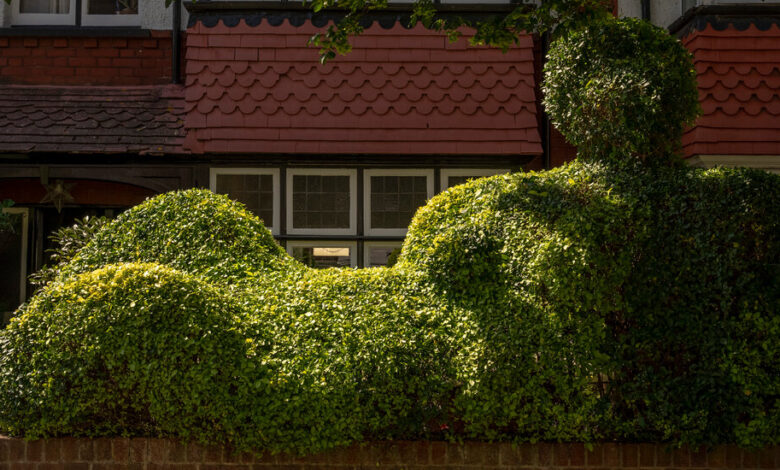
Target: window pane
395 199
11 261
456 180
382 255
255 191
323 257
112 7
44 6
321 201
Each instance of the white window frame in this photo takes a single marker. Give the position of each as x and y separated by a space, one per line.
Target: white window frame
109 20
377 244
274 172
475 172
352 173
42 19
367 174
352 245
69 19
25 234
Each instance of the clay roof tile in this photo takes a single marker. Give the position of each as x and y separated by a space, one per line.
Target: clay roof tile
739 91
383 98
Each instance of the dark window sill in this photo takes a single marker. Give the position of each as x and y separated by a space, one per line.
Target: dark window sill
76 31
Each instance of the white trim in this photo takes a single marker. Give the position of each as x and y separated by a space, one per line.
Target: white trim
23 269
476 172
352 245
367 174
377 244
109 20
274 172
352 173
43 19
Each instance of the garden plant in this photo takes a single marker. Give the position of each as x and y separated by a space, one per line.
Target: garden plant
623 296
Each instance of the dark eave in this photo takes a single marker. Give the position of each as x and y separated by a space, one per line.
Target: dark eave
721 17
75 31
253 12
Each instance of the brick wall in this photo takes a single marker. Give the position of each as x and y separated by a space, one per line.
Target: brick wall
162 454
86 60
560 150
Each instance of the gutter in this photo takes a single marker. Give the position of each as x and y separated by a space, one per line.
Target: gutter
721 15
176 43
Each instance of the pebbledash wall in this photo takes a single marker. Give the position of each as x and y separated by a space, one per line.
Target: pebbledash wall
165 454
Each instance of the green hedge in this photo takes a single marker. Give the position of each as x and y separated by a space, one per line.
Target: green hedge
620 88
594 301
622 299
657 289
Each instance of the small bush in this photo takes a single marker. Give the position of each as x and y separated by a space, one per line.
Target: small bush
193 231
621 88
68 241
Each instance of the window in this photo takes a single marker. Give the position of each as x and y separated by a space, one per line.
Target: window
64 12
321 201
13 259
318 221
391 198
454 177
257 188
381 253
324 254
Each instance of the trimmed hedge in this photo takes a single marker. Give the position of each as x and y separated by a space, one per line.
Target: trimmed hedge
594 301
608 300
652 294
620 88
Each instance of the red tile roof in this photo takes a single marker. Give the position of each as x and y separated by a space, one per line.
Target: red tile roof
143 120
739 90
260 89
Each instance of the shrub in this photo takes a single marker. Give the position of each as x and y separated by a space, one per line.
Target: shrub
662 282
197 232
620 88
603 300
68 241
130 349
595 301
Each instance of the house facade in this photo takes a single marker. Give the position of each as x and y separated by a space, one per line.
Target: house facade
103 104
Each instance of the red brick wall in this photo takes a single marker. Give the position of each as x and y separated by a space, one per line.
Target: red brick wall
86 61
161 454
560 153
560 150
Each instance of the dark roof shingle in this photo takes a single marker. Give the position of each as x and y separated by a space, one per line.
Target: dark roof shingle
142 120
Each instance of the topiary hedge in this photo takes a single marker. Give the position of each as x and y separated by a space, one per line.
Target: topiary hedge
594 301
621 88
612 299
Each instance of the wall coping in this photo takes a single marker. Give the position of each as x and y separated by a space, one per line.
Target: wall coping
171 454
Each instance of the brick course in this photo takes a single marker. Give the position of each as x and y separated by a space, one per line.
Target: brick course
170 454
86 61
